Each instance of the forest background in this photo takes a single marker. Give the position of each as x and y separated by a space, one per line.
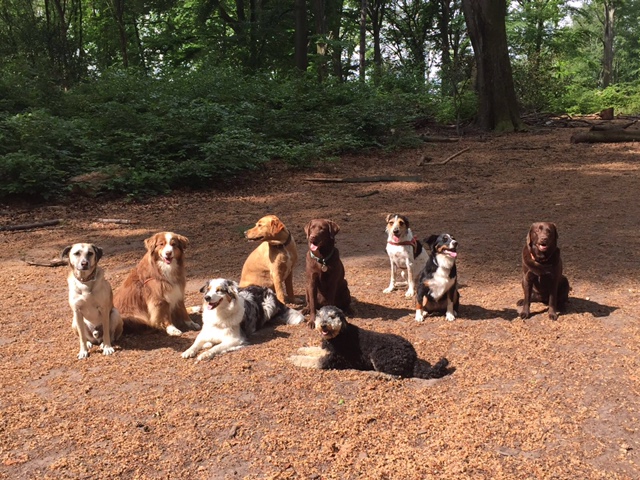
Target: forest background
136 98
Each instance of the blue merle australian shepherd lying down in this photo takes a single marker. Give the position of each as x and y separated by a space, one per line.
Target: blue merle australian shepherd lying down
346 346
230 314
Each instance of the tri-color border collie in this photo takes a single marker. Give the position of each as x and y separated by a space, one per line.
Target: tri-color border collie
230 314
437 289
406 254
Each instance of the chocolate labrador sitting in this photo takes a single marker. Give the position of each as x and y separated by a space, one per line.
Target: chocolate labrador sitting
542 279
326 284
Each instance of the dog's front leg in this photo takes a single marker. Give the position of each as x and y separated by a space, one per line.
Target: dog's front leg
160 317
527 287
221 348
180 312
288 283
420 295
451 313
411 280
83 333
198 344
105 317
553 298
312 295
392 282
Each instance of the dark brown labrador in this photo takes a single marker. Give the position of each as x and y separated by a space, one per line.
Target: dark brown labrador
542 279
326 284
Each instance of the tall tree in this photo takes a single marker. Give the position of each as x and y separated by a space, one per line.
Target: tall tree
497 102
301 35
607 56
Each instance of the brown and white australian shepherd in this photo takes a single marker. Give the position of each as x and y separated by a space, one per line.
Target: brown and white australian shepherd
153 293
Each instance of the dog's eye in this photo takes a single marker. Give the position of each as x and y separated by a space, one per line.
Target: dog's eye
89 254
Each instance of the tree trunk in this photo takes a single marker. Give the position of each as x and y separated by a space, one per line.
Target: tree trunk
363 39
497 102
607 59
446 87
334 22
320 17
301 37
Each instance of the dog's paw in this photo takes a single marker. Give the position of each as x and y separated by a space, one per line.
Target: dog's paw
107 350
173 331
188 353
553 316
306 361
420 316
205 356
450 316
82 355
410 294
389 289
194 326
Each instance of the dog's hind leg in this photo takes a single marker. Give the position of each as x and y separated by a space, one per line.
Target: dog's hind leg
451 304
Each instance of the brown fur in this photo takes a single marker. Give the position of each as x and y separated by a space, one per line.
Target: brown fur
542 279
271 264
153 293
330 287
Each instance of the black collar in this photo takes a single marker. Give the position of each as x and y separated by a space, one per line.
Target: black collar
282 245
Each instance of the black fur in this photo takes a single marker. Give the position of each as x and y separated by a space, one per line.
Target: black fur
425 286
355 348
260 306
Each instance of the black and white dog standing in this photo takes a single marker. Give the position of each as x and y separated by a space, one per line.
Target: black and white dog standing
437 289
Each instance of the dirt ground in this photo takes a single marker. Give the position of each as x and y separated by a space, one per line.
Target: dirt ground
530 399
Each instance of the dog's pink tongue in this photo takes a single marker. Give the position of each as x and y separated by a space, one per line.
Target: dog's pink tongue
452 253
209 306
313 247
168 260
396 239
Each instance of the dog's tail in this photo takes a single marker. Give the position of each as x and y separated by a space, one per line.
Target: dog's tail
290 316
422 369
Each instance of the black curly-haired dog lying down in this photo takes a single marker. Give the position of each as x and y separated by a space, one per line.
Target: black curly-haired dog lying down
346 346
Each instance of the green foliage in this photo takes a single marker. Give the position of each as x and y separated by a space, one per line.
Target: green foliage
146 136
624 98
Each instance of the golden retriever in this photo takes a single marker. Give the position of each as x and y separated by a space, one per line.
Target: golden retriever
271 264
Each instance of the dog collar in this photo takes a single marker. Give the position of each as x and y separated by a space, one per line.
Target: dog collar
91 278
411 242
282 245
322 260
533 257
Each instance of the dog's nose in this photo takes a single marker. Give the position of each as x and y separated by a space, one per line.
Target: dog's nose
207 298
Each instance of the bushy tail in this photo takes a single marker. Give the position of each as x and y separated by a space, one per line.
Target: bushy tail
422 369
291 316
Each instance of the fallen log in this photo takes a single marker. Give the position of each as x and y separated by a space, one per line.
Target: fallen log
436 139
380 178
123 221
29 226
606 136
52 263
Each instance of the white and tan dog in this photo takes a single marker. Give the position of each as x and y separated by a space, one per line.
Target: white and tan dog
230 314
91 299
406 253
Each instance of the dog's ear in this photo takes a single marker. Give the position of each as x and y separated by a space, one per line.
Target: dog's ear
333 227
390 216
184 241
554 229
307 227
276 226
205 287
65 252
529 236
98 252
431 240
150 243
232 290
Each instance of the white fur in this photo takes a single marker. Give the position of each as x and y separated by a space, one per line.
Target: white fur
220 327
401 258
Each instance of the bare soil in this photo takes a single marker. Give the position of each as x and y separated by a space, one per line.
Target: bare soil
532 399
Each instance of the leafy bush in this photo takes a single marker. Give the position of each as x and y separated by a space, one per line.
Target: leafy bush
193 130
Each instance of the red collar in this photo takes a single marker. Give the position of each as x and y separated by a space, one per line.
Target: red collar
413 242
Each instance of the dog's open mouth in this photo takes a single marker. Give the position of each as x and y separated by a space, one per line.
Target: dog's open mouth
256 239
212 305
325 331
168 260
313 247
543 247
450 252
